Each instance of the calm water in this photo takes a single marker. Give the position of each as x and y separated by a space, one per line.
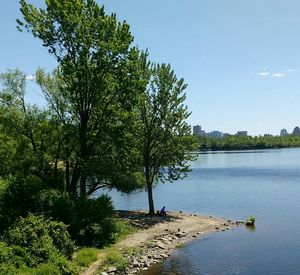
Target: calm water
265 184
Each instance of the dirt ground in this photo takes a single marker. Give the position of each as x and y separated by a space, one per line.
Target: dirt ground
157 228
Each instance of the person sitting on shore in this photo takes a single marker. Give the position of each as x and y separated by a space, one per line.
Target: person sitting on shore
163 211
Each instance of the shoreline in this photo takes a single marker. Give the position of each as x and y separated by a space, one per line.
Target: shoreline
157 237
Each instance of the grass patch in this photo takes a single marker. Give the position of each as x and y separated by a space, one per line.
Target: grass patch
85 256
115 258
123 229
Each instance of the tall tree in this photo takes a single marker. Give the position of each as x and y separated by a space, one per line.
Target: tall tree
30 136
163 131
101 75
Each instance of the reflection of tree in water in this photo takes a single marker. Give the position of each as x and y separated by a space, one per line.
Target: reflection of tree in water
250 228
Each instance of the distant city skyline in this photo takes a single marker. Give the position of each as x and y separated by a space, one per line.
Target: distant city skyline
200 131
241 59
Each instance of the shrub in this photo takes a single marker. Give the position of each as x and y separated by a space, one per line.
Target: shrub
40 238
18 199
93 224
51 203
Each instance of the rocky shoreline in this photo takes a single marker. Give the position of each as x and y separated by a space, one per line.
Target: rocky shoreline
158 242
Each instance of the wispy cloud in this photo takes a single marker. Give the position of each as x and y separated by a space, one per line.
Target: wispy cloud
30 77
279 75
265 72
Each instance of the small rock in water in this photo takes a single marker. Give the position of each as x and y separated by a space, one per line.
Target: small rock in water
194 236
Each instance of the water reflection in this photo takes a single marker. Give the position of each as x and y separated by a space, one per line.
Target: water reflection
250 228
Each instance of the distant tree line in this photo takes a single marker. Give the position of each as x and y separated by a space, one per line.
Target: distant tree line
247 142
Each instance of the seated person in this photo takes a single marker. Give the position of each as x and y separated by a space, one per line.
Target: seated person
163 211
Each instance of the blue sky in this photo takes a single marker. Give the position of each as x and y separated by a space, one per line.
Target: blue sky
241 59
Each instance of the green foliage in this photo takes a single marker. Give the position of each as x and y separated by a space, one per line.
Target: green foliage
35 245
247 142
123 229
250 220
115 258
57 205
164 135
94 91
85 256
41 238
93 224
18 199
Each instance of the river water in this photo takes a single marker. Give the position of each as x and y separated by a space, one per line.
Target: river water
234 185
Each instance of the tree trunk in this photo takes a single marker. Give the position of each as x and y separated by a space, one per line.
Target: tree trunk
150 197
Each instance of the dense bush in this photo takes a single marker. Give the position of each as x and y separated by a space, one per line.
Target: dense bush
18 198
57 205
40 237
36 245
93 223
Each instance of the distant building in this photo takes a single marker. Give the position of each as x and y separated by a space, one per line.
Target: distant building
241 133
296 131
283 132
198 131
215 134
226 135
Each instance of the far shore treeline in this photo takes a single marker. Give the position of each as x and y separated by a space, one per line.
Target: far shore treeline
233 142
113 119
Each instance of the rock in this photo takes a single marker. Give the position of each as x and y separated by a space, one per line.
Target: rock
166 229
157 257
165 256
147 264
210 216
229 221
112 269
195 215
226 224
104 273
144 259
194 236
179 234
145 268
217 228
180 212
160 245
178 230
149 256
135 263
223 229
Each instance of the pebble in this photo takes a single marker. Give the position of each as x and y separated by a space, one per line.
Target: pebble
112 269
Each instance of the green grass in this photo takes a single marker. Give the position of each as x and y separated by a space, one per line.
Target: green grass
115 258
85 256
124 229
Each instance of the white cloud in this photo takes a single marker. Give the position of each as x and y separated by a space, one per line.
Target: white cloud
264 73
30 77
278 75
290 70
